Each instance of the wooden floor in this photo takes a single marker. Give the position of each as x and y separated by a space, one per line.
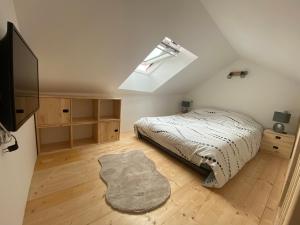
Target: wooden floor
66 190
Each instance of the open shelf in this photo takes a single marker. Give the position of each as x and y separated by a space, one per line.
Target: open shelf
84 141
84 111
85 134
51 147
110 109
108 118
54 138
52 125
84 120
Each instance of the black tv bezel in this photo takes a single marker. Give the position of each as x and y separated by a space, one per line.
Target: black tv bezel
7 40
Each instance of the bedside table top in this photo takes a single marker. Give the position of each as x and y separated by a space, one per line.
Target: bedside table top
270 131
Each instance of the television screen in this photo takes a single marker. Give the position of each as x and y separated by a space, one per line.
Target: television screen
20 90
25 67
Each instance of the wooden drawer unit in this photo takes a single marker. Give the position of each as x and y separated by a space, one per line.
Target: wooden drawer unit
54 112
109 131
277 143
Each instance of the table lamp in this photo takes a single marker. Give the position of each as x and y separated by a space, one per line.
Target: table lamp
280 118
185 106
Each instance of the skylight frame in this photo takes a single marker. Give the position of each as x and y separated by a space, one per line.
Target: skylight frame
158 70
151 58
167 49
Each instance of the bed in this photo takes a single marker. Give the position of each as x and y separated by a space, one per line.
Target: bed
218 143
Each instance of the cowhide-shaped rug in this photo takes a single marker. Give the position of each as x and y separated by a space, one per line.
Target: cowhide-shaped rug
133 183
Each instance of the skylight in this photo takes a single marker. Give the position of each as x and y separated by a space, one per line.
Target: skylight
162 63
167 48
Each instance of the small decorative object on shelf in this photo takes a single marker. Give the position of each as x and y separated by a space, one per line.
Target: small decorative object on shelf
280 118
185 106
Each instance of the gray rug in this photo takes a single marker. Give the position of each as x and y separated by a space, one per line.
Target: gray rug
133 183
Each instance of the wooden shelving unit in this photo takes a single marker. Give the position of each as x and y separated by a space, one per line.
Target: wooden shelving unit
65 122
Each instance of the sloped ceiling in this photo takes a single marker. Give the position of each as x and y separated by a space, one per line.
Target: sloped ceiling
265 31
93 46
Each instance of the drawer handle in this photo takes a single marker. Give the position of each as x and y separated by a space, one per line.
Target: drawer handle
116 130
65 110
275 147
277 137
20 111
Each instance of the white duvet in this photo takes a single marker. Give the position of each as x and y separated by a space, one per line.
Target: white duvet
223 140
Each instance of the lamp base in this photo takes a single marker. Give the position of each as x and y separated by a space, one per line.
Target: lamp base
184 109
279 128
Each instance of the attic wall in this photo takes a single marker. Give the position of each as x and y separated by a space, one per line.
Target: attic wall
16 168
264 31
93 46
258 95
135 107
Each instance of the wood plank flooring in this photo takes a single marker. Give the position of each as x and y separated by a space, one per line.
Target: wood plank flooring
66 190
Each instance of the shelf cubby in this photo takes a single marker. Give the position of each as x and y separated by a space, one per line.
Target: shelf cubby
110 109
84 134
84 111
53 138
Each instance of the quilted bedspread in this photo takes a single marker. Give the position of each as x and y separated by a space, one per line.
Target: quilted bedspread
223 140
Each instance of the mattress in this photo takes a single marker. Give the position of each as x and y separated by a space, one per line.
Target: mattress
222 140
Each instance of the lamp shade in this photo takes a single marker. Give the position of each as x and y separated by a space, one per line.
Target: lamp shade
186 104
282 117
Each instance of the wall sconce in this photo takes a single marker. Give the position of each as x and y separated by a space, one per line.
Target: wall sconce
241 74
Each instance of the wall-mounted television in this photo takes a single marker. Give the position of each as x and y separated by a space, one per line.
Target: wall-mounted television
19 80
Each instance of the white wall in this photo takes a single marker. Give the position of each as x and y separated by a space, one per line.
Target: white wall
258 95
135 107
263 31
16 168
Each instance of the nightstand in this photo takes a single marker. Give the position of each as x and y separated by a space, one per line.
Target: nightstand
277 143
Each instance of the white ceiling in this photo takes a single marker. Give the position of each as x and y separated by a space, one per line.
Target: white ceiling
93 46
265 31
